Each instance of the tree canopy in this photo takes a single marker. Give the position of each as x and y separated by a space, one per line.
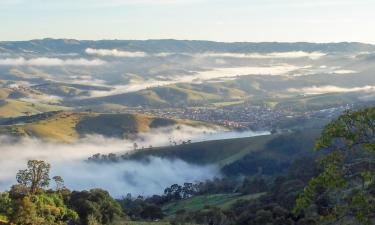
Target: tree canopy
345 189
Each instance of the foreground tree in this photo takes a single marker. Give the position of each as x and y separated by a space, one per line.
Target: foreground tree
344 192
36 176
94 206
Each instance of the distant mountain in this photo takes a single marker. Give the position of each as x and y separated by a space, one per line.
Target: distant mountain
63 46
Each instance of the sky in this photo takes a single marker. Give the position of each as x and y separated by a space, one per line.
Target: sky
217 20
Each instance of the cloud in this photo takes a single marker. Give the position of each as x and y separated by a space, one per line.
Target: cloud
274 55
114 53
314 90
44 61
344 71
146 177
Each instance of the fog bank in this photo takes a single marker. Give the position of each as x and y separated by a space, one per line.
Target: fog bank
144 177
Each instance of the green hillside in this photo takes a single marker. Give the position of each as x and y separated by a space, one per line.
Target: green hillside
277 147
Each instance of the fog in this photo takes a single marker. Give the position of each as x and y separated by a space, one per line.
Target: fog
114 53
273 55
44 61
199 76
314 90
144 177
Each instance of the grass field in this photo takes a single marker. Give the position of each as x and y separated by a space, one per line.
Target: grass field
221 152
15 108
223 201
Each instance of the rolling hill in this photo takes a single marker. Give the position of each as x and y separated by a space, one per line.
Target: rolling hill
269 150
172 95
69 126
278 92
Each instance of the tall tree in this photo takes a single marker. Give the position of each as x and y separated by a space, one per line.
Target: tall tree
59 182
36 175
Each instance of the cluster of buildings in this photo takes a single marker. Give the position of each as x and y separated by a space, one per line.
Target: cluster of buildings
245 116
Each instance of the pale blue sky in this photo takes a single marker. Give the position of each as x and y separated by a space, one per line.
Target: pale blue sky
220 20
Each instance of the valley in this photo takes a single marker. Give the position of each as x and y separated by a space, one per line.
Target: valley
170 131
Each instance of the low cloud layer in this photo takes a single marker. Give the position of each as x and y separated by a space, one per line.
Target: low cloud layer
68 160
144 177
137 177
274 55
314 90
200 76
44 61
114 53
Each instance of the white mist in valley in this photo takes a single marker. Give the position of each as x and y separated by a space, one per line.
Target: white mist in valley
146 177
138 177
198 77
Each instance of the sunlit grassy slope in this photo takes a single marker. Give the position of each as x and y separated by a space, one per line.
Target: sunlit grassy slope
69 126
15 108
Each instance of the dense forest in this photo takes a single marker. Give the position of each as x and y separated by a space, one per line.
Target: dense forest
333 186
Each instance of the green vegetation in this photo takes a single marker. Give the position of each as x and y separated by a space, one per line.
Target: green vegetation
119 125
223 201
344 190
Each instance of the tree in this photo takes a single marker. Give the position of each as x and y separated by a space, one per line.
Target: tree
174 192
59 182
36 175
152 212
5 203
25 213
42 209
345 189
95 205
